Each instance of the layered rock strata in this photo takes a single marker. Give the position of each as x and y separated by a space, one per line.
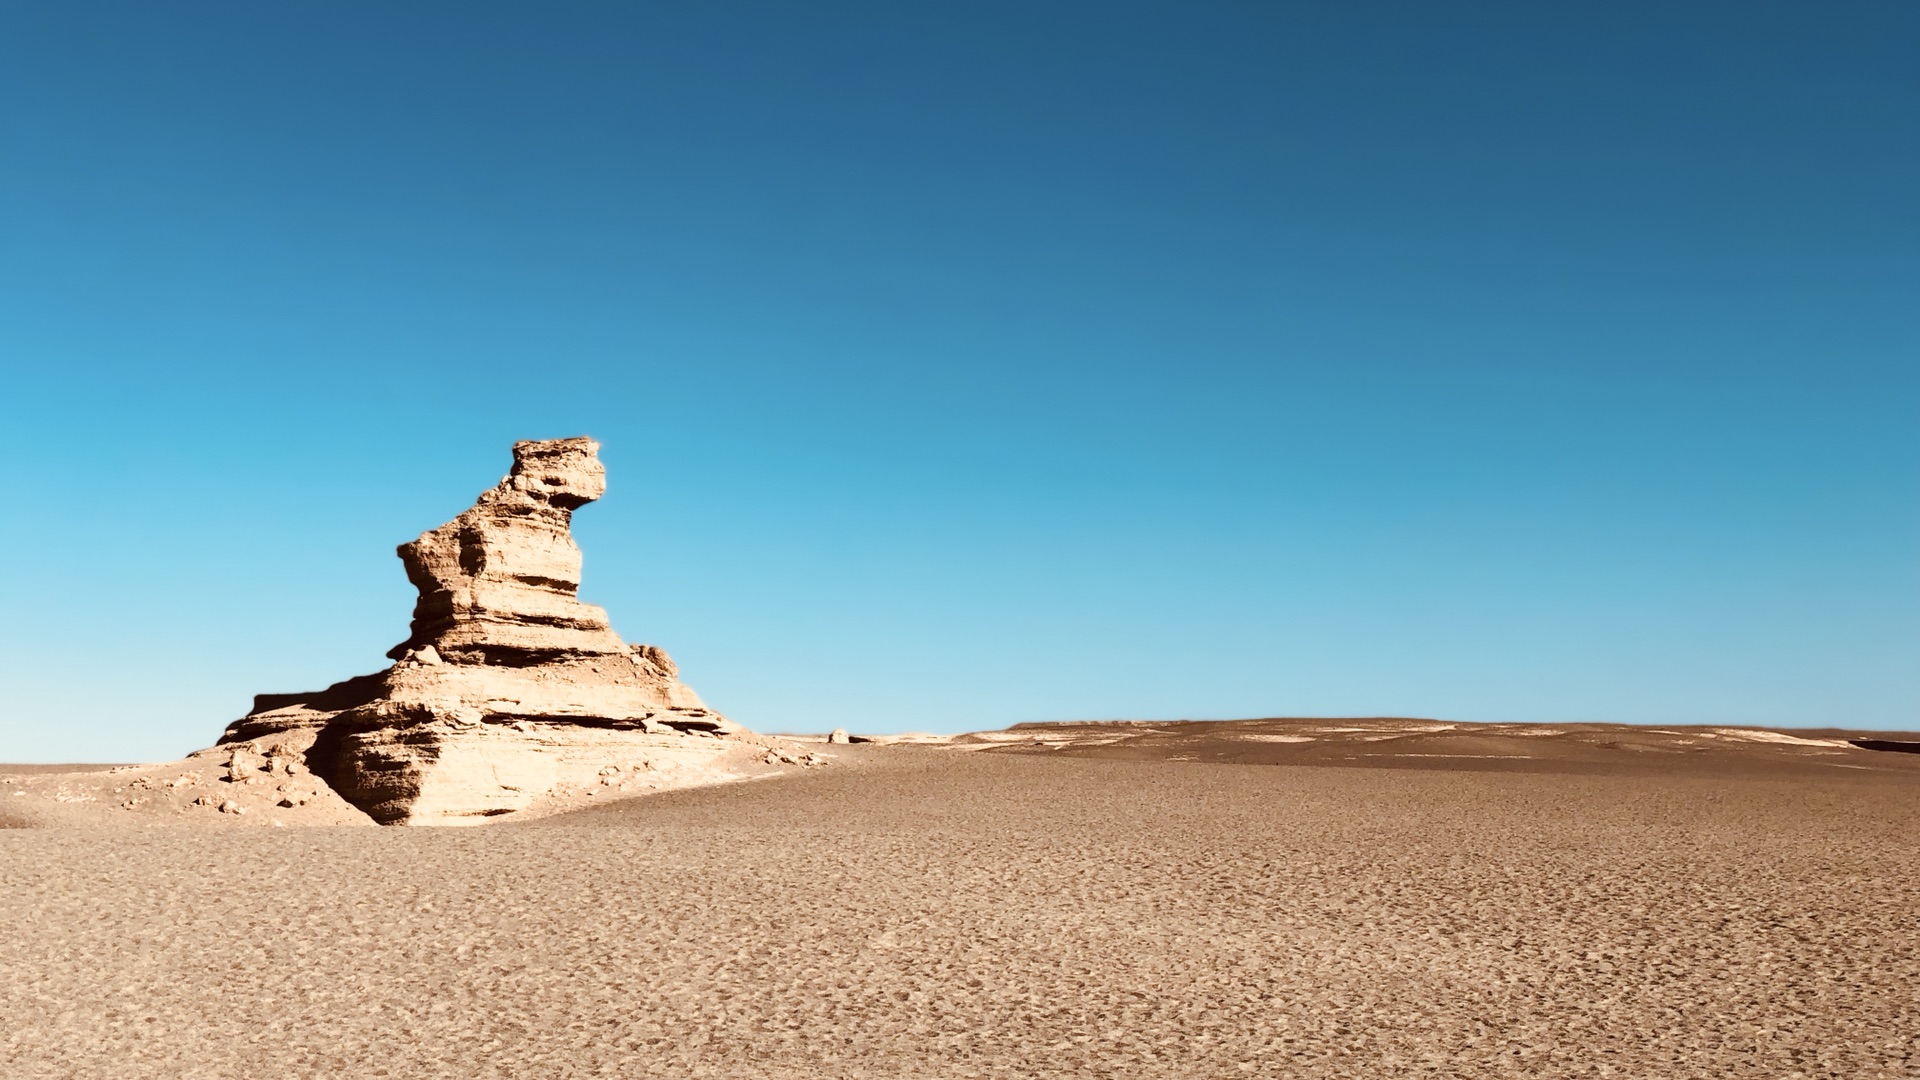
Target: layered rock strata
507 685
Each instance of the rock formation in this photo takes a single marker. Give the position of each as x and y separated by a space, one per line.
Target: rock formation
507 685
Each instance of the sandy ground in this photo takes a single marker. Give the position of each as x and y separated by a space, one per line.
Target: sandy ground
1033 907
203 790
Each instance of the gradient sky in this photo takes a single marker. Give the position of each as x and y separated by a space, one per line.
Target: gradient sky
958 365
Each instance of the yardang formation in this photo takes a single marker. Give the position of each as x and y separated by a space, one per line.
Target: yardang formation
508 685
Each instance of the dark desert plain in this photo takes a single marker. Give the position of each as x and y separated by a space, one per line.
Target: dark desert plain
1273 898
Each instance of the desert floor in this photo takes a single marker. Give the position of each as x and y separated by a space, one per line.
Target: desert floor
1074 906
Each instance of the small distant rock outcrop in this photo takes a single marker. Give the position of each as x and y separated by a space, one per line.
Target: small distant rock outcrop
508 686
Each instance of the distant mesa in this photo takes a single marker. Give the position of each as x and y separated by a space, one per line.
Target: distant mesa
507 685
1894 746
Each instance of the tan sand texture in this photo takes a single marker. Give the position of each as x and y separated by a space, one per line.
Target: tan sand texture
923 911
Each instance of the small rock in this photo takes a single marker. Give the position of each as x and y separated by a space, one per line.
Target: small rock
231 807
655 657
839 737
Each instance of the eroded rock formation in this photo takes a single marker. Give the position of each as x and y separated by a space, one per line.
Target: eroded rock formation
507 685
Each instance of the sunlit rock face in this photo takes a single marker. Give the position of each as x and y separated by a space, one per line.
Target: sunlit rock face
507 684
499 583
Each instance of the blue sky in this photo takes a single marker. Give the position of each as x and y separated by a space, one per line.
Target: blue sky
959 365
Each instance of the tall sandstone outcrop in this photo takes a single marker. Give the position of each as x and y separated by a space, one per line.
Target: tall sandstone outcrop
507 685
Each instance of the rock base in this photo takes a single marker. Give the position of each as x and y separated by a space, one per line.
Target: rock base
465 776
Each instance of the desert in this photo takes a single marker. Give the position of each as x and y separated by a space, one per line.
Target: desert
919 541
526 848
1082 900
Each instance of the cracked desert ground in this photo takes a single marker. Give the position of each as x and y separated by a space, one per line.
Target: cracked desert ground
1217 903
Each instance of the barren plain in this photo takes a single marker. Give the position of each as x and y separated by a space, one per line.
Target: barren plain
1262 899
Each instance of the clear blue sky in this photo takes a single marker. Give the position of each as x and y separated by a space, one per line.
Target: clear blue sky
964 364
